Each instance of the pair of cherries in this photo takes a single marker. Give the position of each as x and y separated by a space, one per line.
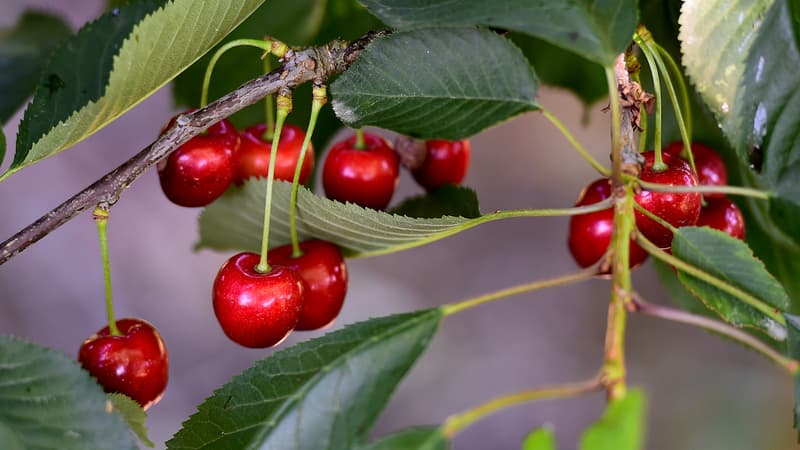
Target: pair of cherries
590 234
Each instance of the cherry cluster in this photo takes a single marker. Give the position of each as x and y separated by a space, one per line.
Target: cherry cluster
590 234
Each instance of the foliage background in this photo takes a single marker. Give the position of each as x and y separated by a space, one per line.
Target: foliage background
704 392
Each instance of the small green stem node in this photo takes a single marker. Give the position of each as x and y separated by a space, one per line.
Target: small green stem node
360 144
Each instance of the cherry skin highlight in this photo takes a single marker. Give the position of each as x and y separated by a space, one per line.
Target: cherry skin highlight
722 214
366 177
254 309
711 170
590 234
446 162
254 154
324 274
135 364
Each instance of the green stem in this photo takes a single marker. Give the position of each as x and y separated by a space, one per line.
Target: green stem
360 144
707 189
269 109
577 145
658 162
101 219
463 305
263 45
320 97
684 92
458 422
284 107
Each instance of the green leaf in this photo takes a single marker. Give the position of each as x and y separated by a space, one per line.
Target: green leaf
732 261
676 290
621 427
793 350
417 438
598 30
540 439
447 200
235 221
23 52
439 83
324 393
133 414
48 401
116 62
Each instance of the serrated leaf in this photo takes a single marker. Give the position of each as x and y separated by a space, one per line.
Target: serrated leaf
116 62
621 427
597 30
793 350
23 52
447 200
324 393
732 261
47 401
133 414
447 83
417 438
235 221
540 439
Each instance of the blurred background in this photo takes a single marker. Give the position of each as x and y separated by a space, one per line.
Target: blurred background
704 393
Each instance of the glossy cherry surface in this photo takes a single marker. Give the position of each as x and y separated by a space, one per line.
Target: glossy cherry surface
198 172
710 168
135 364
722 214
254 154
366 177
677 209
446 162
324 274
256 309
590 234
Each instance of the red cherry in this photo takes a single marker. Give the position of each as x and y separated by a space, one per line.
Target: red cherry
366 177
224 128
256 309
590 234
324 275
134 364
445 162
677 209
198 172
722 214
710 168
254 154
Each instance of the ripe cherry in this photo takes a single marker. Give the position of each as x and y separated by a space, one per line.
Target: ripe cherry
710 168
134 364
254 154
324 275
445 162
366 177
256 309
722 214
677 209
590 234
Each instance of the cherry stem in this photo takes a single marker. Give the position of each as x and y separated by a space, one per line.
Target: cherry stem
458 422
263 45
284 107
563 280
575 143
716 326
707 189
320 98
658 162
269 109
101 219
686 107
360 144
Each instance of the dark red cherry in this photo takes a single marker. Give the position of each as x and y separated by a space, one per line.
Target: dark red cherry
134 364
445 162
254 154
366 177
198 172
324 274
256 309
722 214
590 234
677 209
710 168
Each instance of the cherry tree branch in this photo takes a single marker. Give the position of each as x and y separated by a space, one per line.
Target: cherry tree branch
312 64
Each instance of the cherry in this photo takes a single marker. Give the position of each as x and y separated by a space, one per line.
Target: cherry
590 234
254 154
722 214
366 177
445 162
710 168
677 209
324 275
134 364
256 309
